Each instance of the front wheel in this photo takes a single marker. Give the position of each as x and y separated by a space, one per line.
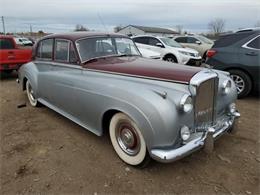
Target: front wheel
171 58
242 81
128 141
30 93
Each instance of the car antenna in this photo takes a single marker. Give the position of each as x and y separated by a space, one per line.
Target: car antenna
102 22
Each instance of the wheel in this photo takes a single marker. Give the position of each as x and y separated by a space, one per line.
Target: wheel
170 58
33 101
128 141
242 81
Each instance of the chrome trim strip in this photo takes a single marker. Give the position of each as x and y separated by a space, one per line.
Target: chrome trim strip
107 72
170 155
245 45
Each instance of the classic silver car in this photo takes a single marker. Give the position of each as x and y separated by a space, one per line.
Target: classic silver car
151 108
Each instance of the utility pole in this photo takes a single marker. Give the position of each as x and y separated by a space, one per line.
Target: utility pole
3 22
30 29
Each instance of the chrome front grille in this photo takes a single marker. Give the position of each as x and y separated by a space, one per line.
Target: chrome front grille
205 103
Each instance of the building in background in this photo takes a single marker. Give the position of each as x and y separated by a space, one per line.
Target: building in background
133 30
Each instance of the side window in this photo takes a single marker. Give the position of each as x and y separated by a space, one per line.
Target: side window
45 49
255 43
142 40
181 39
153 41
73 56
6 44
192 40
62 50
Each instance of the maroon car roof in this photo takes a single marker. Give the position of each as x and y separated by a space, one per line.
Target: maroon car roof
73 36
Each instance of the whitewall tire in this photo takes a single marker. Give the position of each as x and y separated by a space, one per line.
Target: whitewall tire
128 140
30 94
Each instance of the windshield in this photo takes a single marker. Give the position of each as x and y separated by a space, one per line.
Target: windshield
96 47
205 39
170 42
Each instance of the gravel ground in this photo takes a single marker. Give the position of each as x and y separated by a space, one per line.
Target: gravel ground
43 152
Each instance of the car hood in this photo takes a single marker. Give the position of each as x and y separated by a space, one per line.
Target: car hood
144 68
186 49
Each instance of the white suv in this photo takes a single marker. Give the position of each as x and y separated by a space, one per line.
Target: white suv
169 49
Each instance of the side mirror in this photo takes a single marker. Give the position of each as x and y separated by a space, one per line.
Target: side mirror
198 42
159 45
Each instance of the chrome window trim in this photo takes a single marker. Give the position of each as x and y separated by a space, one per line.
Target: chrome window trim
246 44
52 63
62 64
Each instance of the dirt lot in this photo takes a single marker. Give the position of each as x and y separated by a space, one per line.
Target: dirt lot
42 151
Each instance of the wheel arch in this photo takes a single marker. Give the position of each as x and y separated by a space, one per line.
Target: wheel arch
244 70
170 55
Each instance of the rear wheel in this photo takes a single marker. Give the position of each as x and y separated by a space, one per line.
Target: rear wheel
242 81
31 96
128 141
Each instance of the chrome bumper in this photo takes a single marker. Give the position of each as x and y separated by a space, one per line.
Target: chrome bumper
170 155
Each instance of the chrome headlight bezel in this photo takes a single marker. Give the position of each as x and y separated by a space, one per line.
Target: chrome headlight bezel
186 103
226 86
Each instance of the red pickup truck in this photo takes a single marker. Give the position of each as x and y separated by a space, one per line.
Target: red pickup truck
12 56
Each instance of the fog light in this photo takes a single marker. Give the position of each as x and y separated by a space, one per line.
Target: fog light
185 133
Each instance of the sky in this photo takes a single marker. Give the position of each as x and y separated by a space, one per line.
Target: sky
102 15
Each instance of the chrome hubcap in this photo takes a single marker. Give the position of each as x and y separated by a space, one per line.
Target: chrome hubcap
169 60
240 83
128 139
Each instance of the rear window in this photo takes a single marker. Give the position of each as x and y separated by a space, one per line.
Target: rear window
255 43
6 44
231 39
45 49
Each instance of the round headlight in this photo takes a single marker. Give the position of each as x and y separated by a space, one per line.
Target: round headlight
185 133
226 86
186 103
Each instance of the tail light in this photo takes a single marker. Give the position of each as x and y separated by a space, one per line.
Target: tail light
211 53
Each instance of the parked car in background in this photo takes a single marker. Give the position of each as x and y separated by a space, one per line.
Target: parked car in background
169 49
23 41
239 54
12 57
149 107
146 53
197 42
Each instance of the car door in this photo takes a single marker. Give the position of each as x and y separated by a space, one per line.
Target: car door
194 43
65 71
182 40
249 58
43 61
152 45
141 42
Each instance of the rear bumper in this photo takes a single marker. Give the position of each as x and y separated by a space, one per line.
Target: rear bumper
170 155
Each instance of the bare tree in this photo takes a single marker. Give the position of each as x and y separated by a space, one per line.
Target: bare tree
179 28
118 28
257 24
217 26
80 27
